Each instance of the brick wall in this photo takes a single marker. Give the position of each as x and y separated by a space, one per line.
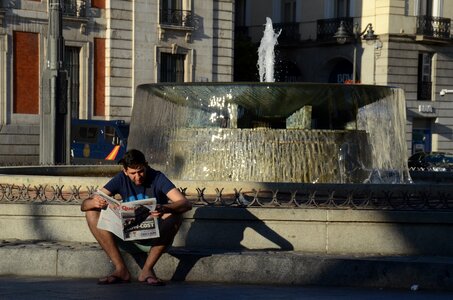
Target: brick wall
26 73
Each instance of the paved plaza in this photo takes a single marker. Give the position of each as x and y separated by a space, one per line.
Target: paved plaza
35 288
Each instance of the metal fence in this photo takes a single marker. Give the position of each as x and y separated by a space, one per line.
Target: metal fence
326 28
436 27
329 196
177 17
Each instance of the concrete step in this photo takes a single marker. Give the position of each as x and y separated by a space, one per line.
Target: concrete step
87 260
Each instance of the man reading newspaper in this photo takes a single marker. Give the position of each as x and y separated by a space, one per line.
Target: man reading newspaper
129 220
138 181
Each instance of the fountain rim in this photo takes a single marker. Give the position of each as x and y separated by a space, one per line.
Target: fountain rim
253 83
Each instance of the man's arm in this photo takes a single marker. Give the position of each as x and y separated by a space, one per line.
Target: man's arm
96 202
178 203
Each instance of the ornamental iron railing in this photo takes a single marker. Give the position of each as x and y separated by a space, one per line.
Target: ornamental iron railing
289 32
435 27
74 8
329 196
177 17
326 28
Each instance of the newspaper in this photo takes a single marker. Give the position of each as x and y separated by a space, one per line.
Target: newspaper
129 220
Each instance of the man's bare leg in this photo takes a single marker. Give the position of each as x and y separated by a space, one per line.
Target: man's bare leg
168 229
108 244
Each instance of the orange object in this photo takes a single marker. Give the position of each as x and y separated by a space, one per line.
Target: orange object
112 155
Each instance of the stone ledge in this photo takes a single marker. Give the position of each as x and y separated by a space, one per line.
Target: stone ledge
355 232
87 260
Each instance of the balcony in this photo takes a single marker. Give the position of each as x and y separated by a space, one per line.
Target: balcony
179 18
74 8
424 90
328 27
434 27
289 34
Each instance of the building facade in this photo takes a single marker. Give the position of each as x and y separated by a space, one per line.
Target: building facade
413 50
110 47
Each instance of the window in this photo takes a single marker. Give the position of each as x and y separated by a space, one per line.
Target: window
424 76
171 12
72 64
339 8
110 136
289 11
171 4
172 67
342 8
426 7
70 7
84 134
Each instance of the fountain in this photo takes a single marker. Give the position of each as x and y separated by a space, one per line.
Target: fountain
272 132
269 132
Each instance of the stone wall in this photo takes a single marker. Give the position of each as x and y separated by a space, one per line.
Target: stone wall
411 226
328 231
19 144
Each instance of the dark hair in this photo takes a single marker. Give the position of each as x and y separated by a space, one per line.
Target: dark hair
133 158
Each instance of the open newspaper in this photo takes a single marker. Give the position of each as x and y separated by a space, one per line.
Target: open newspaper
129 220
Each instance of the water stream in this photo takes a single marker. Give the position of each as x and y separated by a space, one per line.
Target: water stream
266 53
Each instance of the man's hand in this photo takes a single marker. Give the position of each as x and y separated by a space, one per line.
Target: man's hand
160 211
99 202
95 203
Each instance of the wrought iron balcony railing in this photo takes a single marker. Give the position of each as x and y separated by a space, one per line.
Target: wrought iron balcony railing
328 27
176 17
435 27
290 32
74 8
424 90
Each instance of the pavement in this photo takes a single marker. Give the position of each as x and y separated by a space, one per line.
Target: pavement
36 288
201 270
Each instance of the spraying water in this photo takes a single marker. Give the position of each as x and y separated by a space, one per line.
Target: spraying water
266 52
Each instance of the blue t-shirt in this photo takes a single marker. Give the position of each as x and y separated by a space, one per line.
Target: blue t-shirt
156 185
